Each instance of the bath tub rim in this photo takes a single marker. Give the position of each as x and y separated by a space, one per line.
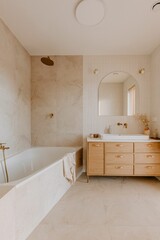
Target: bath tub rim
28 178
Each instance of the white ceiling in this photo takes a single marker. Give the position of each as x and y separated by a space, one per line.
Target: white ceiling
49 27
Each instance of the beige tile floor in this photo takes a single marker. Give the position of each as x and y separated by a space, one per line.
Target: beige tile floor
106 208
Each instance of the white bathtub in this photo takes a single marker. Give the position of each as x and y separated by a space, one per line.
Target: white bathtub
36 185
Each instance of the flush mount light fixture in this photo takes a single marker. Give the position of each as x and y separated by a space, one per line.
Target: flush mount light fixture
90 12
156 6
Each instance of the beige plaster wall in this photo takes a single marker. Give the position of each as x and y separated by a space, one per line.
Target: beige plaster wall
57 89
107 64
15 74
92 122
155 90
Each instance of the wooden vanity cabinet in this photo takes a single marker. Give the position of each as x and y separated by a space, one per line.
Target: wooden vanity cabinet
123 159
118 159
147 159
95 158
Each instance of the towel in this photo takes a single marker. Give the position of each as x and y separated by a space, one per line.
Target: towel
69 167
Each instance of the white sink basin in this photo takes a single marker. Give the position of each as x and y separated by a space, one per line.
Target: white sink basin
125 136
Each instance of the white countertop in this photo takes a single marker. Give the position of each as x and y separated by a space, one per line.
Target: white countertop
121 140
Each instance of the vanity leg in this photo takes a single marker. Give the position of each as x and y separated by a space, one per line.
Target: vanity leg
87 178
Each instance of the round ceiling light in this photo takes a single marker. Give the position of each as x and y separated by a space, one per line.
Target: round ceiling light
156 7
90 12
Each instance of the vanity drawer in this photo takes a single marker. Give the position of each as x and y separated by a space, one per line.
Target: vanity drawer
147 169
119 158
118 170
95 148
147 147
118 147
147 158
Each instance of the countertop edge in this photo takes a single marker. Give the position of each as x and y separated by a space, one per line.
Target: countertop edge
121 140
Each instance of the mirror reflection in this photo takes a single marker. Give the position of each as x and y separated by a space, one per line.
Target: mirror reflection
118 95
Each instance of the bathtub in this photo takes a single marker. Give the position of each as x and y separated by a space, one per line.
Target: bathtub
36 184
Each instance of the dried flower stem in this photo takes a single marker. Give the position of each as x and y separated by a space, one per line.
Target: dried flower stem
143 119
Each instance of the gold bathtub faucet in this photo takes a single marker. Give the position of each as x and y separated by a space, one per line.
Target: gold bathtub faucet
3 148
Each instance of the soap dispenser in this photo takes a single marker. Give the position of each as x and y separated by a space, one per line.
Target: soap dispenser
110 129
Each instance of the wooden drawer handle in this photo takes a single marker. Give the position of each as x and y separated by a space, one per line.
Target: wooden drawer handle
119 156
150 156
118 167
119 145
96 145
149 167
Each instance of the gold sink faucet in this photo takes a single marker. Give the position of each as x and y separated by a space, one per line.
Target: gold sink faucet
119 124
125 125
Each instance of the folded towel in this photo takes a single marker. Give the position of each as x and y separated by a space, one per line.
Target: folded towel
69 167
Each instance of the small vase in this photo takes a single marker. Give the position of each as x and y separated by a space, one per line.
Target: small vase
147 131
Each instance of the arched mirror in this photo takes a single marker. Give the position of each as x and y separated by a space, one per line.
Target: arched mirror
118 95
